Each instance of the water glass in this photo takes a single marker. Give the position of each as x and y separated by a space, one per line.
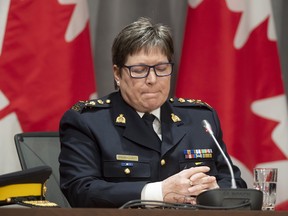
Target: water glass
265 179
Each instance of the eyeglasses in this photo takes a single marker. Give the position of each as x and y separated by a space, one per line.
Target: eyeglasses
142 71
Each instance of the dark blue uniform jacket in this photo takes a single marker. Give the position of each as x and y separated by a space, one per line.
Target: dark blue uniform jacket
108 155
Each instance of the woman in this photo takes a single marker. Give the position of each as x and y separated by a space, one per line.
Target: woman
109 155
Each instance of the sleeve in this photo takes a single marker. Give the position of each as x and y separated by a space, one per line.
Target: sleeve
152 191
81 178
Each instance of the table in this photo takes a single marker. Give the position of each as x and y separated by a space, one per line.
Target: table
132 212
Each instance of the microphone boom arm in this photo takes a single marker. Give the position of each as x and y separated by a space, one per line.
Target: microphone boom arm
207 126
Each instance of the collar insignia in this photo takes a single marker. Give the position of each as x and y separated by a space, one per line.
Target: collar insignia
121 119
175 118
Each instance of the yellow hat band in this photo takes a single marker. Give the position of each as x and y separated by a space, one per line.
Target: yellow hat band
20 190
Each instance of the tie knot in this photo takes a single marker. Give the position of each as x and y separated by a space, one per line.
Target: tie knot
149 117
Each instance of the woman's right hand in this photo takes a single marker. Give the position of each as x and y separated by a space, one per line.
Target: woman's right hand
185 185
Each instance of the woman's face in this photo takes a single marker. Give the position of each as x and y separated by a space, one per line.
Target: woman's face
144 94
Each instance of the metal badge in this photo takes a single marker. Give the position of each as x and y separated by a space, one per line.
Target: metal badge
121 119
175 118
100 101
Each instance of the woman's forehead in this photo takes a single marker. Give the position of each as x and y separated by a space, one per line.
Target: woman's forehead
147 51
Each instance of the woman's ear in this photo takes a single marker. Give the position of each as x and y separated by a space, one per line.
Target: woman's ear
116 74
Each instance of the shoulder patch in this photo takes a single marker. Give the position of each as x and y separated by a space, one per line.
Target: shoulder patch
81 106
188 102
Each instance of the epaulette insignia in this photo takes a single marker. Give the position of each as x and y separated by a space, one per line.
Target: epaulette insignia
190 100
187 102
90 103
78 106
202 103
84 105
100 101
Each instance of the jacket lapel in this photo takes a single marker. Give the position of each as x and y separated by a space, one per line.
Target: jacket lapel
132 126
173 129
134 129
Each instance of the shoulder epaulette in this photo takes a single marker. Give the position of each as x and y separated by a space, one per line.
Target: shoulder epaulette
90 104
188 102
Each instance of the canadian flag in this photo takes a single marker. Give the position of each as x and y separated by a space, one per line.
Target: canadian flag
230 60
45 67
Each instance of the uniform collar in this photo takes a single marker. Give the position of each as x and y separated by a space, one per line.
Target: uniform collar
155 112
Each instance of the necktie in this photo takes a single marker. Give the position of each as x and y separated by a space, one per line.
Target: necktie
148 119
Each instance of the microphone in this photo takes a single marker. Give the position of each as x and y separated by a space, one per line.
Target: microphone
208 128
229 198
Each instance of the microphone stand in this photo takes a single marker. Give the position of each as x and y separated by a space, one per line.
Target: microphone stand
208 128
229 197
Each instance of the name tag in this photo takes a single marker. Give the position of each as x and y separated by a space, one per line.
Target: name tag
127 157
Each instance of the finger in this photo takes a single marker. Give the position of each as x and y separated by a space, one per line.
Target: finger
202 179
193 170
197 189
198 176
190 182
190 199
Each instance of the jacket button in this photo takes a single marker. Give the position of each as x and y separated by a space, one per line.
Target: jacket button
127 171
163 162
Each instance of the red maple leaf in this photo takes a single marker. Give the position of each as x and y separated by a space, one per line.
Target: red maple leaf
231 79
42 75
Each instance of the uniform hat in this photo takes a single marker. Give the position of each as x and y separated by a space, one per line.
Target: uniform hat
25 187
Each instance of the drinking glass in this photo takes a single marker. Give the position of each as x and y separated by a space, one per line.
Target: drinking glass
265 179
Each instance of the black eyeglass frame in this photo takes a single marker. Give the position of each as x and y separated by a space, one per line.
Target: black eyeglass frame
149 67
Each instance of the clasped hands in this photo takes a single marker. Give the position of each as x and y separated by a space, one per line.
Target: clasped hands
185 185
